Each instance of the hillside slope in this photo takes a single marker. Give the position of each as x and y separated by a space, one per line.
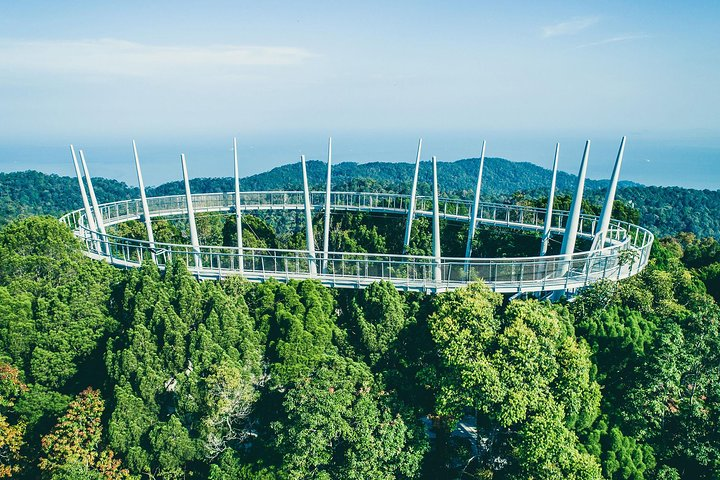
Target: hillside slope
665 210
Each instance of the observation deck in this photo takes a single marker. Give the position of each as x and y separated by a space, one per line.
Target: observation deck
623 252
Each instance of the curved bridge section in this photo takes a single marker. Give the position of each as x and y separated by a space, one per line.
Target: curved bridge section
625 252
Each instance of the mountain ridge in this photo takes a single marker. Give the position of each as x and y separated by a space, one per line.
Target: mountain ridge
665 210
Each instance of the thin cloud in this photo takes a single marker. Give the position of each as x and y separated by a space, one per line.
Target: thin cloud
615 39
569 27
120 57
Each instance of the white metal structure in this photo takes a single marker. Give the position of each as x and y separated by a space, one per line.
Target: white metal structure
623 251
551 200
437 256
413 195
309 235
606 211
238 210
143 200
473 211
328 191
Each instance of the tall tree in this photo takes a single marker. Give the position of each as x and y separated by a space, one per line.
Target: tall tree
11 432
523 374
75 442
337 426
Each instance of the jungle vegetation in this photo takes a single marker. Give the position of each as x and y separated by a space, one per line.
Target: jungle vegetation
111 374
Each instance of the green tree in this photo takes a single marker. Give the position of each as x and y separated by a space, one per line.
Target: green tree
11 432
76 441
380 314
522 371
337 426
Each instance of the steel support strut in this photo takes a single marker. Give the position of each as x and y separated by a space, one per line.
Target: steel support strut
238 214
143 200
326 231
308 220
191 214
436 225
476 203
88 213
98 214
571 229
413 196
551 199
604 221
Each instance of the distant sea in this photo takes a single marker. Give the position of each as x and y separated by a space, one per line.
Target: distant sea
691 163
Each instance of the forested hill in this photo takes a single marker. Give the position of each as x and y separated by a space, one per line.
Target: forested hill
666 210
499 177
673 209
33 193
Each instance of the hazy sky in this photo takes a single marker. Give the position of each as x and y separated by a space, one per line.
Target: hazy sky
282 76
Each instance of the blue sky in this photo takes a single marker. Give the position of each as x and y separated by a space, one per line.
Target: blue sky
282 76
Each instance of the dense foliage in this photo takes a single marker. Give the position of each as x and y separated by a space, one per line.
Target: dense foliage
114 374
34 193
111 374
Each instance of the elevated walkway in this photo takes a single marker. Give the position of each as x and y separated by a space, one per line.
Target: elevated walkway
625 252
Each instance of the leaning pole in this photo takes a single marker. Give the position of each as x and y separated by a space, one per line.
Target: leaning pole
238 214
436 225
143 200
568 244
326 229
86 205
475 205
604 221
413 196
191 214
96 208
310 239
573 222
551 200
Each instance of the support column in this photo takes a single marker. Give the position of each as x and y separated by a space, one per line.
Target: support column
568 244
551 199
475 205
96 208
238 214
308 221
606 213
328 182
88 214
437 276
143 201
413 196
191 214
